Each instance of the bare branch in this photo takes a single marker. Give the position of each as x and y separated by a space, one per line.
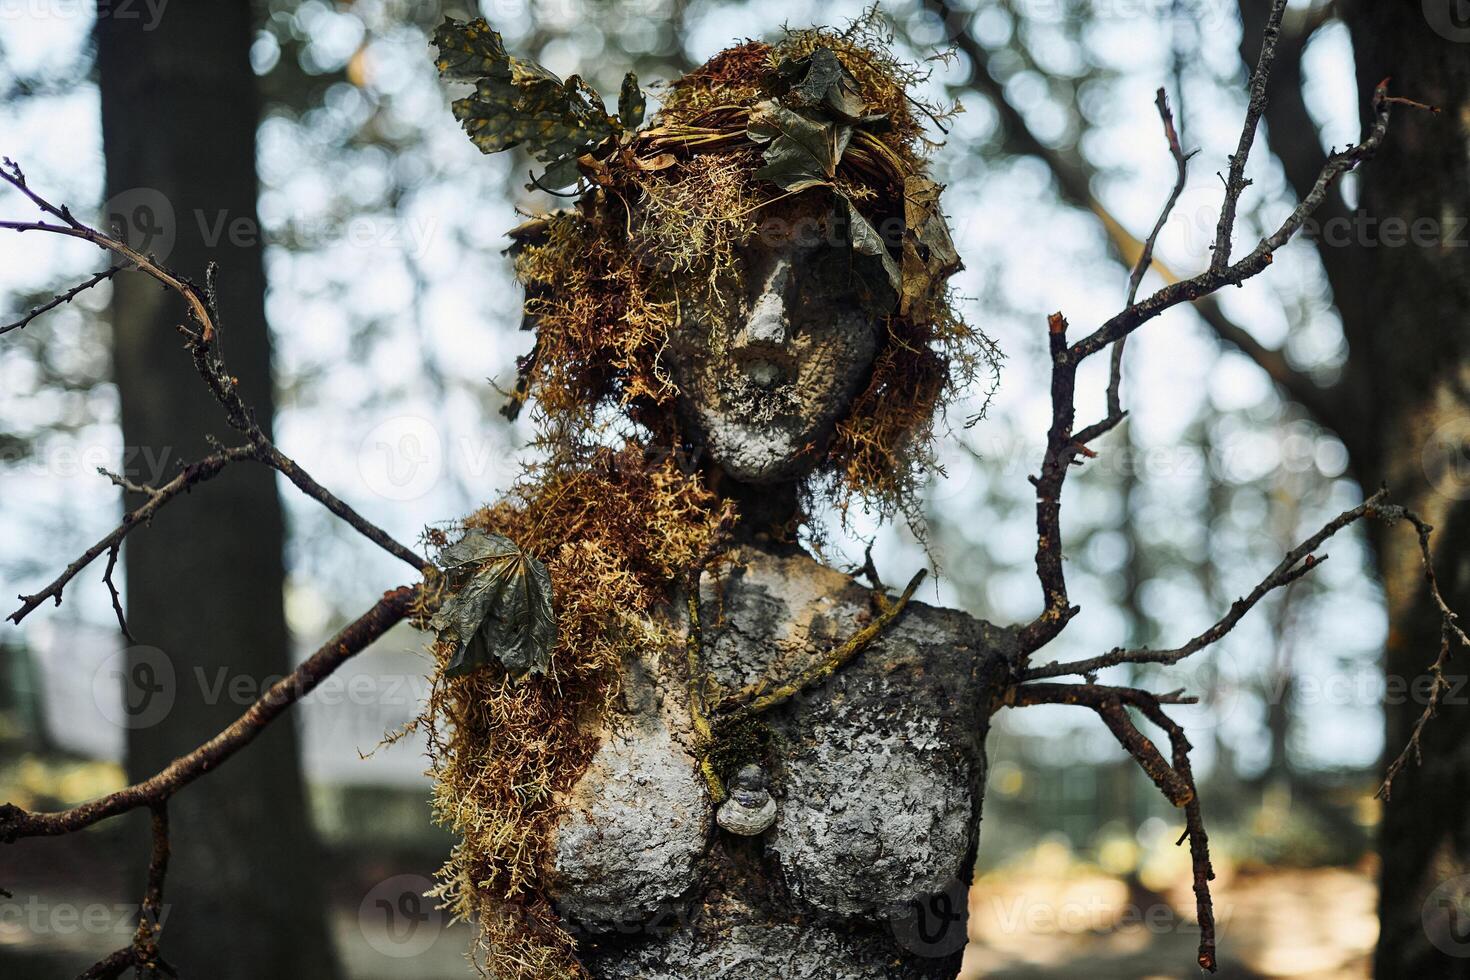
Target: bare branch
1212 279
1175 778
395 604
1061 450
63 298
1451 637
751 702
1235 183
1063 447
225 387
1145 259
1293 566
122 620
11 173
1074 180
143 953
195 473
1181 165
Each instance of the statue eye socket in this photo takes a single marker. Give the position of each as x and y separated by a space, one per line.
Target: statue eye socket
828 274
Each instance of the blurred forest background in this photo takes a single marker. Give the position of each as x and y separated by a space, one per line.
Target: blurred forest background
308 147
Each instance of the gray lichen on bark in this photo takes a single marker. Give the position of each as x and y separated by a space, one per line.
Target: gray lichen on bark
878 776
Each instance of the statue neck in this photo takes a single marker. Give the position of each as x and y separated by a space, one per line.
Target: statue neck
769 513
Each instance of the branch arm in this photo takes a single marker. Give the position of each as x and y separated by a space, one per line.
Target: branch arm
16 823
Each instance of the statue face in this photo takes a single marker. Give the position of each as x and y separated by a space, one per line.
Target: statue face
766 372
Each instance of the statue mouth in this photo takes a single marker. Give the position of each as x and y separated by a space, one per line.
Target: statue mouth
760 391
767 370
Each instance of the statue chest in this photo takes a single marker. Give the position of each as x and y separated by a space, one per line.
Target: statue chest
876 773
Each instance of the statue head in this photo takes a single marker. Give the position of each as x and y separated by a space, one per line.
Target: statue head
767 367
758 281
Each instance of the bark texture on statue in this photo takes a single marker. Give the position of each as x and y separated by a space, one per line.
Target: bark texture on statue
877 776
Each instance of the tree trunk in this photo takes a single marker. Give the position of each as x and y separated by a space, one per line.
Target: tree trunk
204 582
1410 369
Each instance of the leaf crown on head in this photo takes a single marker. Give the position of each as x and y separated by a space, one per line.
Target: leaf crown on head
664 208
798 103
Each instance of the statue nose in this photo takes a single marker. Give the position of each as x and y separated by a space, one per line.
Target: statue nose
769 323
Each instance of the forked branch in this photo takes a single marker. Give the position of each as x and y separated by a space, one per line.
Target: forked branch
154 793
201 344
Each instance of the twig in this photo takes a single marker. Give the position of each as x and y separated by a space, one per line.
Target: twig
1063 447
1108 702
1235 183
1293 566
122 620
1060 453
395 604
1451 636
1261 256
699 681
195 473
1175 779
63 298
750 703
1329 406
210 366
143 953
1145 260
155 792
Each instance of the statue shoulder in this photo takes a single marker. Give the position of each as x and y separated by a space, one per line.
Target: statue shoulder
773 611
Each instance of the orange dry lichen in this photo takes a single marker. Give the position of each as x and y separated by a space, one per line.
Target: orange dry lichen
614 530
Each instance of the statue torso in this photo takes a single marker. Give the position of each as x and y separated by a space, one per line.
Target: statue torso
877 774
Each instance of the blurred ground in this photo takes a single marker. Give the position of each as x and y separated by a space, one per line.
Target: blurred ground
1035 920
1316 923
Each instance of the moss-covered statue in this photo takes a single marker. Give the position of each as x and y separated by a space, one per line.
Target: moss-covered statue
673 743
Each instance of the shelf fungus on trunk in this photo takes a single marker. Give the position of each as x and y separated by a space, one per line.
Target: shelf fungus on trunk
749 810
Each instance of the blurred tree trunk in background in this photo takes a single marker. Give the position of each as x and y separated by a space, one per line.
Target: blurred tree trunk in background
204 584
1409 374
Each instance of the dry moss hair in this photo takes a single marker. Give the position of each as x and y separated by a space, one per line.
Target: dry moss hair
667 215
618 528
615 529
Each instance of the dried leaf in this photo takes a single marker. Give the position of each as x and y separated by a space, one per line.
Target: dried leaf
867 241
819 80
470 51
929 256
662 161
518 101
631 103
799 152
501 607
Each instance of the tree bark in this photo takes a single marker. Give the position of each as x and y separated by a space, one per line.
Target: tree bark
1410 368
204 583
